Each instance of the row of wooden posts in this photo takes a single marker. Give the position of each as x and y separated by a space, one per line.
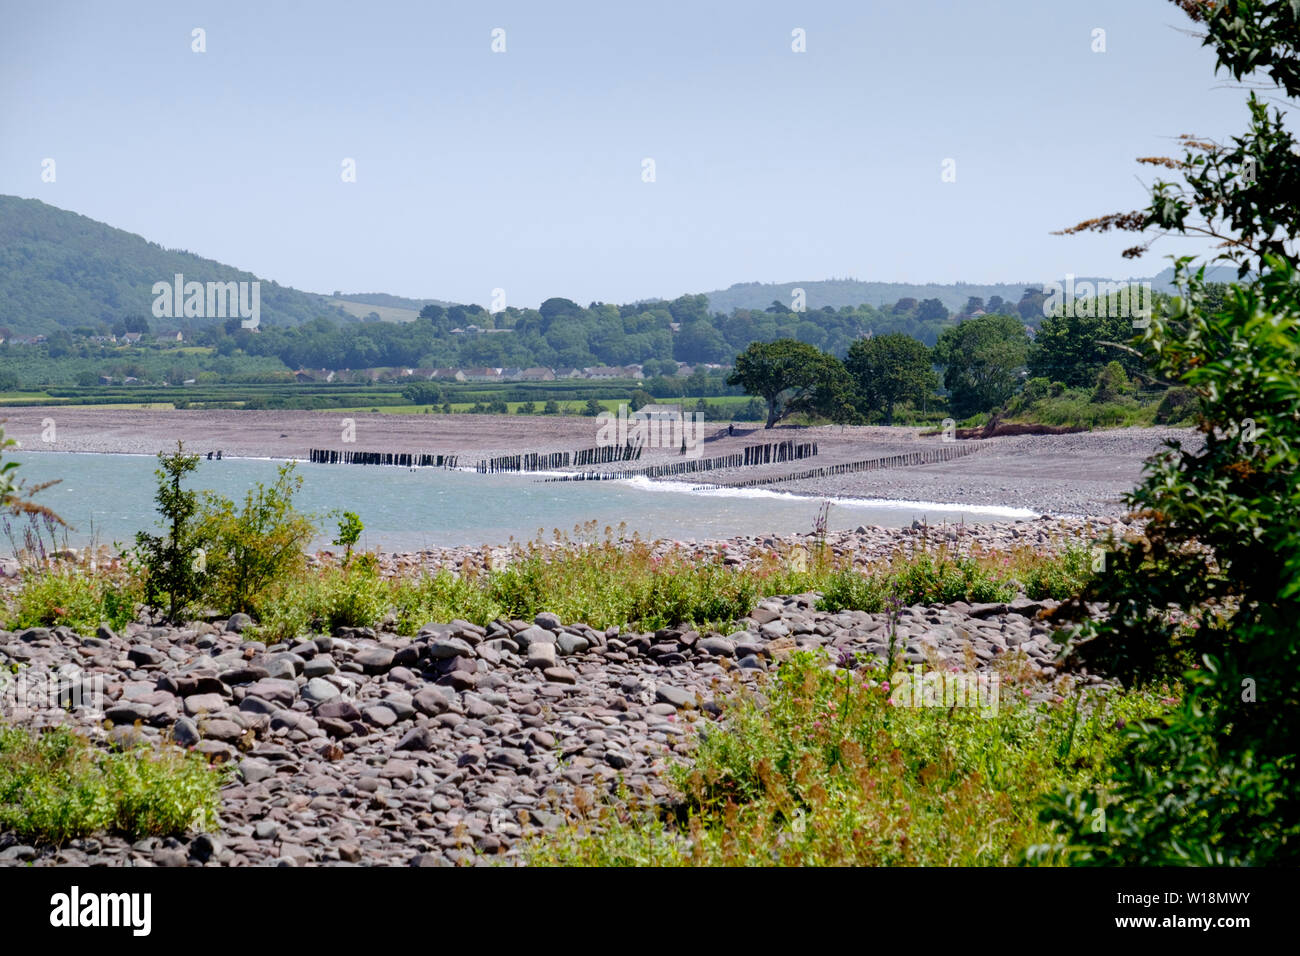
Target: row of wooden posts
749 455
928 457
528 461
542 461
327 456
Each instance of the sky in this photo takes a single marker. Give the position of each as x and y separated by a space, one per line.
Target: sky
525 170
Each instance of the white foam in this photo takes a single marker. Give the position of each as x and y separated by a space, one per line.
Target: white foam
642 483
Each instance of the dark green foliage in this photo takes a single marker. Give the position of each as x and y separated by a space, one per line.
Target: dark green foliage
982 359
1072 349
55 786
1215 586
1112 384
1178 405
171 562
1211 591
794 377
423 393
888 370
254 547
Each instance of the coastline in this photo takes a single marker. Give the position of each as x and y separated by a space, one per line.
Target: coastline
1077 474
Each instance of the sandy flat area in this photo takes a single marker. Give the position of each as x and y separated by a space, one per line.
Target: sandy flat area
1085 473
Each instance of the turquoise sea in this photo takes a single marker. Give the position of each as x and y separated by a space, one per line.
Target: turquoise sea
111 496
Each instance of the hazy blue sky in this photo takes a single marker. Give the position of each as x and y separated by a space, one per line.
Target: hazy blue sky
523 170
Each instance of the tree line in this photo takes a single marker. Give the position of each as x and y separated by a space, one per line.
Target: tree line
986 360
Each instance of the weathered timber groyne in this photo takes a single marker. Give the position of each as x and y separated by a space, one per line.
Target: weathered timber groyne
327 456
928 457
749 456
539 461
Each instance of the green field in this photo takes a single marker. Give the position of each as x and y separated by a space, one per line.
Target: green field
387 313
463 397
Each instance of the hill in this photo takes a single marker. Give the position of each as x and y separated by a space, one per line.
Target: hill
61 270
837 293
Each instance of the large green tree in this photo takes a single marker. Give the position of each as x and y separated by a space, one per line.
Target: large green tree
982 359
794 377
889 369
1074 348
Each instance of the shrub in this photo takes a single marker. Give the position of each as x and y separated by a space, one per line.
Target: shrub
1065 575
926 576
355 596
1211 591
441 597
255 547
55 786
1112 384
1036 389
320 601
350 528
80 598
168 562
1178 405
607 582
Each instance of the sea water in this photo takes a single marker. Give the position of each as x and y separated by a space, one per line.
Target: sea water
111 498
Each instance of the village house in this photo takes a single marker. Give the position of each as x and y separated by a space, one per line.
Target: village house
537 374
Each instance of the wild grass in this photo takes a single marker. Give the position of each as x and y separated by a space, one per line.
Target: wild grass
601 580
818 767
943 575
80 589
76 597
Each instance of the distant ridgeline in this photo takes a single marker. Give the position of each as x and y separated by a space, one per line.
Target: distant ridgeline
61 270
72 280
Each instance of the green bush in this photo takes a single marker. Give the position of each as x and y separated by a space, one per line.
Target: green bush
1211 593
350 528
355 596
1060 578
1178 405
925 577
55 786
320 601
80 598
440 597
253 548
1112 384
